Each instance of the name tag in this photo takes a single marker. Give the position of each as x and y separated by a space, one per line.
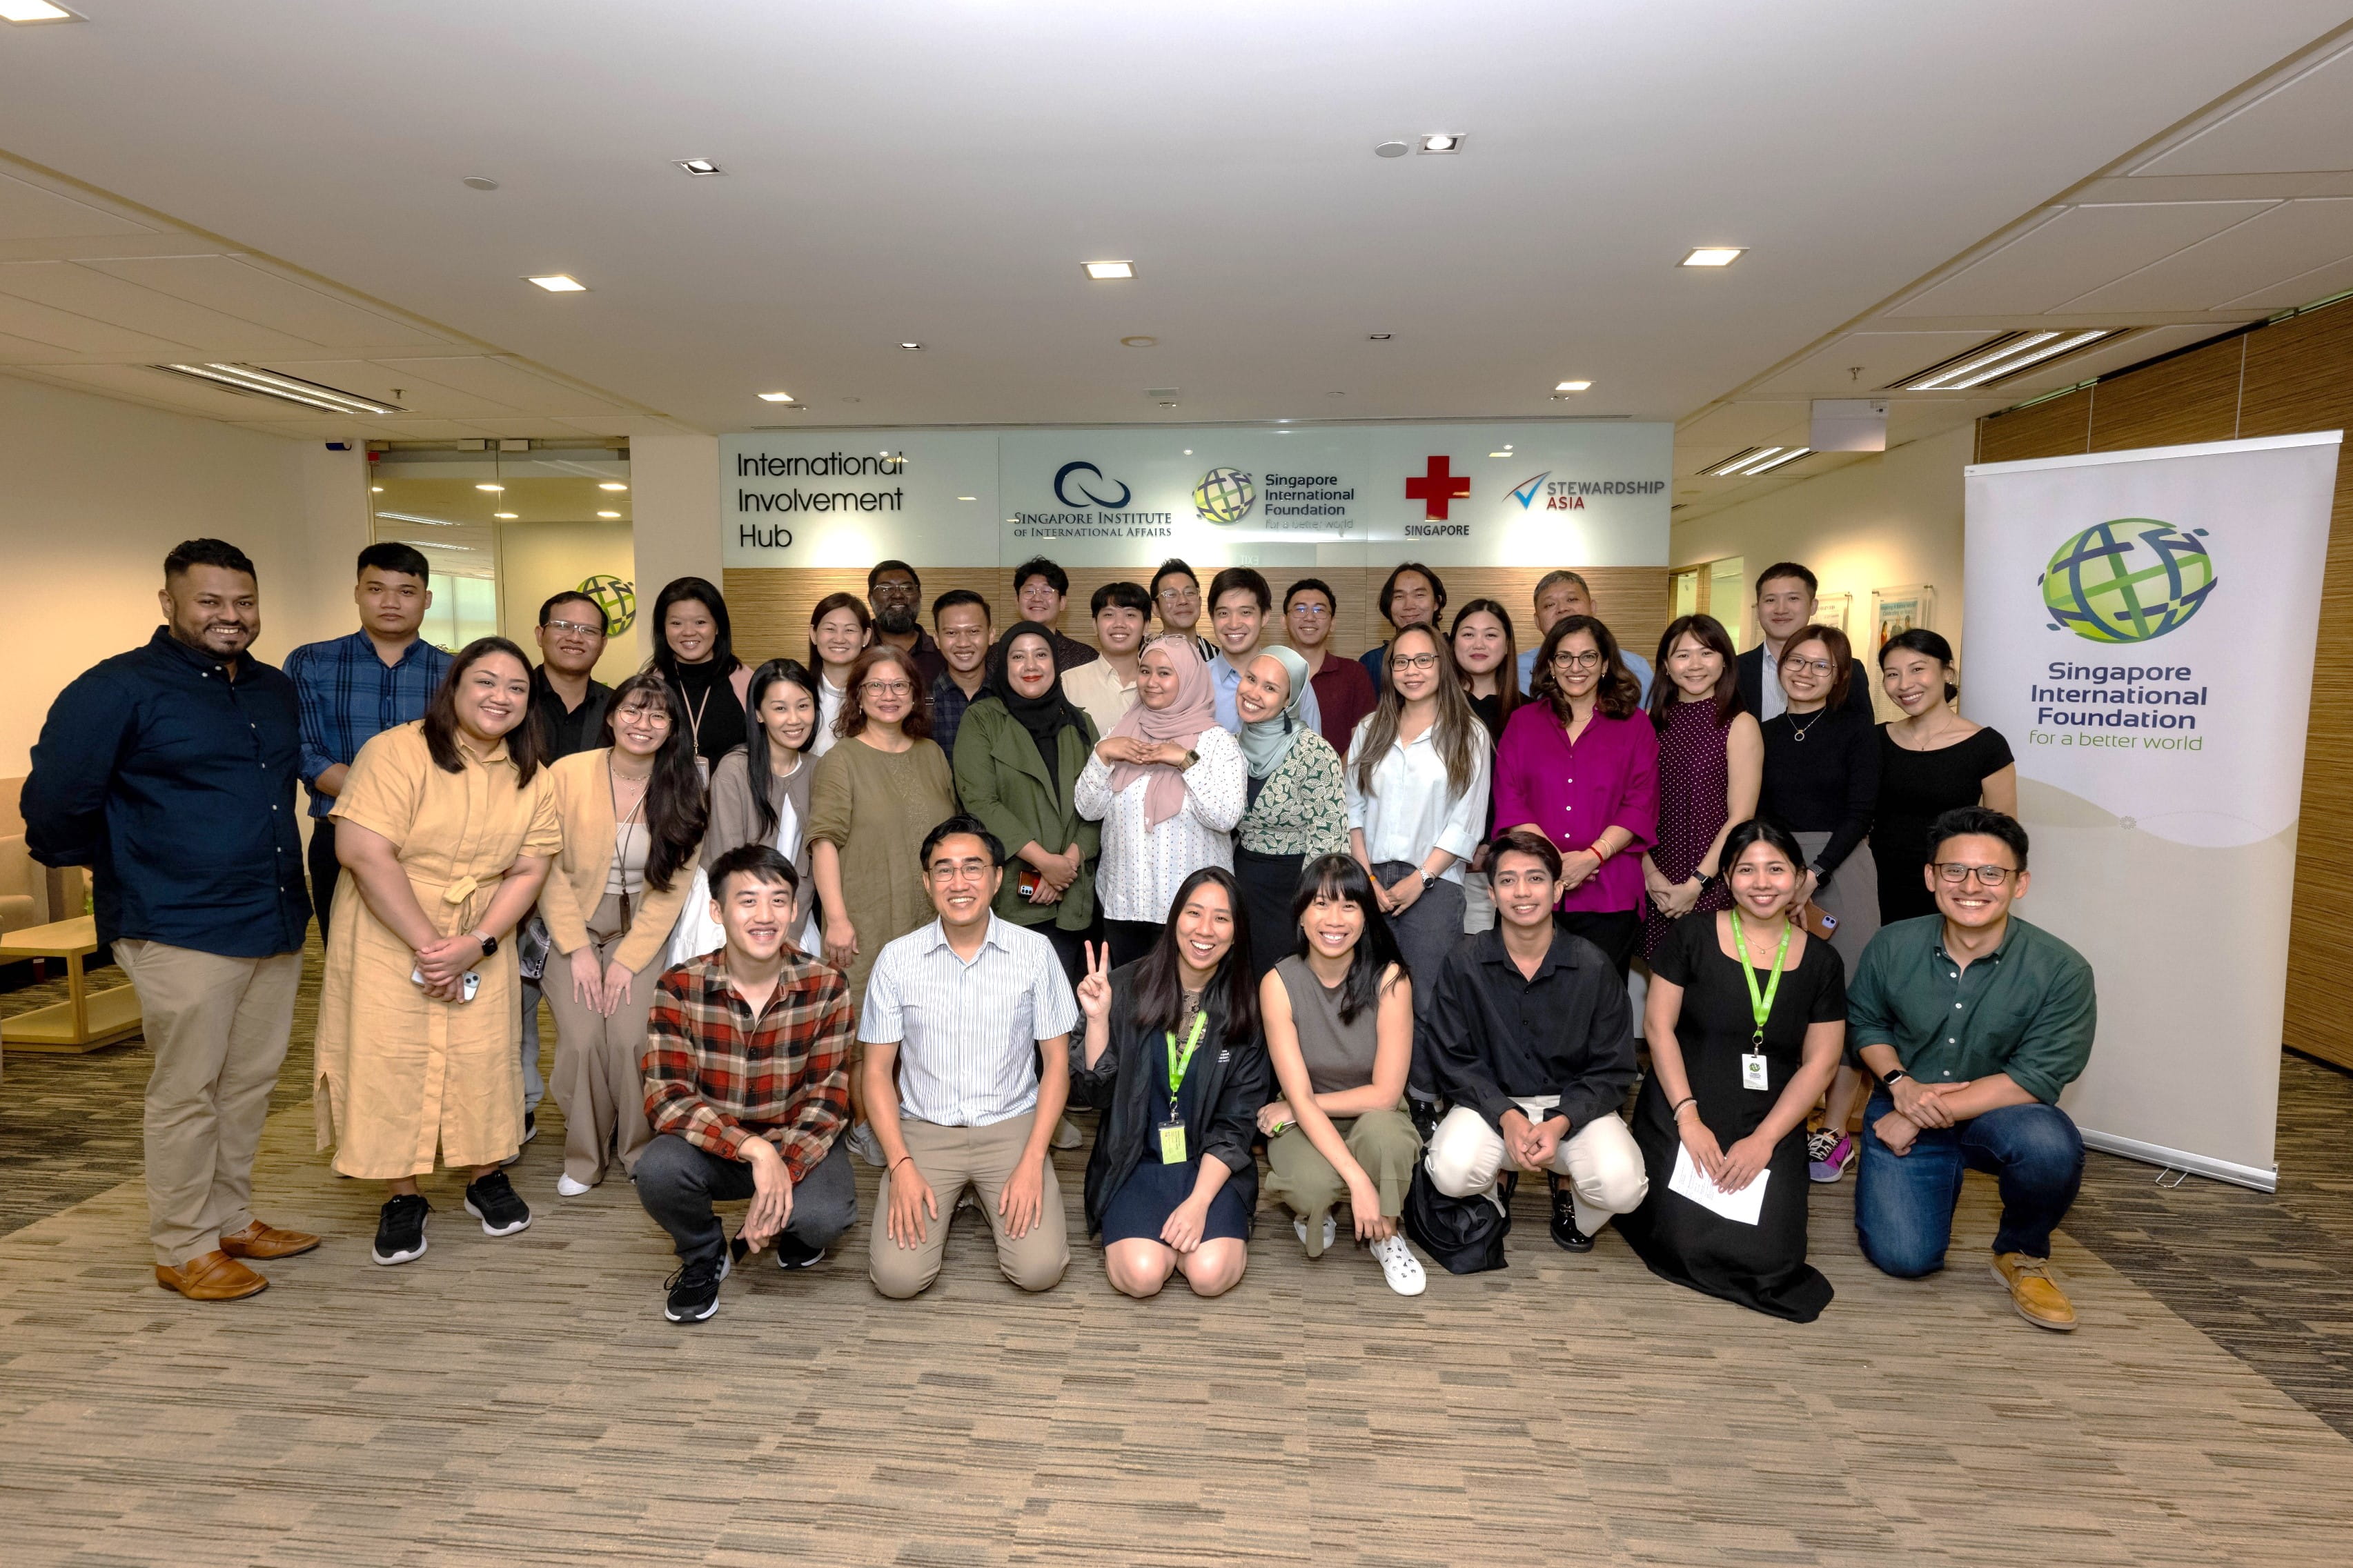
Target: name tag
1171 1144
1752 1069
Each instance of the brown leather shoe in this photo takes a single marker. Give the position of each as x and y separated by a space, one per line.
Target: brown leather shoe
214 1277
2034 1293
260 1240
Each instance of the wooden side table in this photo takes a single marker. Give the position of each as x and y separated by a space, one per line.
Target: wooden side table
85 1020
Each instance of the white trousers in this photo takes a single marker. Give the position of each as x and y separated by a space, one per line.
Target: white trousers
1601 1160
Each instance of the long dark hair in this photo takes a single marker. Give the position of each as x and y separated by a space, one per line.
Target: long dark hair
676 813
916 726
526 742
1508 695
1453 728
722 641
1618 693
756 771
1160 1000
1339 877
825 608
1665 694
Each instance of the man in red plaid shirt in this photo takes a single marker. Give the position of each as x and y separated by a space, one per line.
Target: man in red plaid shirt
747 1086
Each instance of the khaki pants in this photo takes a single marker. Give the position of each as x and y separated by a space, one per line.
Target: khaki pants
217 1029
599 1079
1299 1177
1601 1160
951 1159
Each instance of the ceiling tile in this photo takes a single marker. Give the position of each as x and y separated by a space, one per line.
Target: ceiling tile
160 387
1883 357
2283 242
2081 248
28 211
505 382
236 287
394 382
70 286
2305 288
2299 125
79 334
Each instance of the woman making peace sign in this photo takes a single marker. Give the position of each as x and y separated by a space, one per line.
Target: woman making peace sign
1171 1056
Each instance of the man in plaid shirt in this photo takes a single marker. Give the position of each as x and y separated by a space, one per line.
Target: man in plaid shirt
747 1086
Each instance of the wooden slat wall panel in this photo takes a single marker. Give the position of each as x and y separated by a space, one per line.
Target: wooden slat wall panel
2194 398
2046 430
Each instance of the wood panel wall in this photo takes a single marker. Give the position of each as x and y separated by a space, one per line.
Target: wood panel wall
2291 377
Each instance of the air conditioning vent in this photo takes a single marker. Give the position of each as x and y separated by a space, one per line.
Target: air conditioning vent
1751 461
255 381
1996 360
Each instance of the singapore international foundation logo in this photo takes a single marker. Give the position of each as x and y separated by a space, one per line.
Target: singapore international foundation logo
2127 580
1224 495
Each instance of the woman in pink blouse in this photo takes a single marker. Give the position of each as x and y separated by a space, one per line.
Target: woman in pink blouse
1579 763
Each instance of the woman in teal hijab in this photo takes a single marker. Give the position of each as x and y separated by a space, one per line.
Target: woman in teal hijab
1298 805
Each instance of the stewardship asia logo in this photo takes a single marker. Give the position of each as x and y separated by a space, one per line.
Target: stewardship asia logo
2127 580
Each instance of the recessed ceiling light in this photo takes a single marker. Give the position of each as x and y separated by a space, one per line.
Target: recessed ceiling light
1499 454
1443 142
479 183
1574 386
377 489
1378 337
1106 271
612 485
1713 256
1391 150
494 489
699 167
560 283
1139 341
1188 451
509 516
913 347
27 11
967 498
608 514
776 397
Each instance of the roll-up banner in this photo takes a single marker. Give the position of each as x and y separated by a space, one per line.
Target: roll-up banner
2141 627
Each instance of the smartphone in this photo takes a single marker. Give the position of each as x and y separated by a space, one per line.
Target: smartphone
467 987
1817 921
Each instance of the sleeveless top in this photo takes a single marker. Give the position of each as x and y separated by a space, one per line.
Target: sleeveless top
1339 1056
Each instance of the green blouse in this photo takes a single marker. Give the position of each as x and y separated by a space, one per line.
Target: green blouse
1302 808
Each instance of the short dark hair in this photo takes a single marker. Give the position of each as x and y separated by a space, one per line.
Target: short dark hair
1388 587
761 862
955 596
948 828
1760 829
1123 596
1244 577
1173 567
1710 633
1789 569
1040 566
572 595
1921 641
1557 576
1311 586
881 566
218 552
1964 820
1520 841
391 555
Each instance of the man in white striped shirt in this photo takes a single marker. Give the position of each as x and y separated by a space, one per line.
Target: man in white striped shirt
967 1033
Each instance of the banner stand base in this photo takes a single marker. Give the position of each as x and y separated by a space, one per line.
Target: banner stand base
2262 1178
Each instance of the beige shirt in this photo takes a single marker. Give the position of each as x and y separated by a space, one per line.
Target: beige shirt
1097 688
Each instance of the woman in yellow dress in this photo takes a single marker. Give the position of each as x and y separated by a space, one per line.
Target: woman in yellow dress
447 826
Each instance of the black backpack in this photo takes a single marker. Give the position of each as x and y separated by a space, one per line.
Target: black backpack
1463 1236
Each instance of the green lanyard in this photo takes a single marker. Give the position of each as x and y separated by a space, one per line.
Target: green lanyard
1176 1063
1760 1007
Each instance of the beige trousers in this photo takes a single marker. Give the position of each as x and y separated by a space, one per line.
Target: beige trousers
599 1079
950 1159
218 1028
1601 1160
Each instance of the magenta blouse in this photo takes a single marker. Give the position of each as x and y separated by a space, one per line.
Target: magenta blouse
1608 779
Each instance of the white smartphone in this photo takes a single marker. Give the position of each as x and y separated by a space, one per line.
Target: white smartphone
472 983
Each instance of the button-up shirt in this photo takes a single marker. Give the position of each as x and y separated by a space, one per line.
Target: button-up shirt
1097 688
1498 1036
1143 864
173 782
1413 809
1225 680
1636 665
350 697
968 1030
948 703
2026 1009
1608 779
1344 694
570 730
720 1075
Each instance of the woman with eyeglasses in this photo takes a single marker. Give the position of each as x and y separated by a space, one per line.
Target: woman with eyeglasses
1711 767
840 626
1931 761
1578 764
694 650
883 787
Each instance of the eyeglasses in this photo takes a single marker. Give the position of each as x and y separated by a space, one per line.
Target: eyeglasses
1415 661
1578 661
1311 612
585 631
889 590
1171 595
887 688
1811 666
1954 874
651 718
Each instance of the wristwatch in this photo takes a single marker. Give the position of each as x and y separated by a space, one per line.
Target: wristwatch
1888 1079
490 943
1190 758
1426 878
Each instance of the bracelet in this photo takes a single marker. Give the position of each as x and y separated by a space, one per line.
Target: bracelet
901 1159
1676 1109
1600 855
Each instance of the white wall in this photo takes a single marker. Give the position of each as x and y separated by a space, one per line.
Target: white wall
536 559
674 511
94 493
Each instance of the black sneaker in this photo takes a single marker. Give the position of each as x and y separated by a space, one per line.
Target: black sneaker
694 1291
1564 1221
793 1254
494 1202
400 1230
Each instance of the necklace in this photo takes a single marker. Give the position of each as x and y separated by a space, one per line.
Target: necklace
1800 735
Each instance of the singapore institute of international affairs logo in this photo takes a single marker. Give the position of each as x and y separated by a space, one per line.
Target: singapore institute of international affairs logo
2127 580
1224 495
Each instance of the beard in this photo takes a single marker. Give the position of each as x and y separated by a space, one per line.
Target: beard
896 620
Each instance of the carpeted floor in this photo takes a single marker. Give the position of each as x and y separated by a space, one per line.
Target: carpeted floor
523 1400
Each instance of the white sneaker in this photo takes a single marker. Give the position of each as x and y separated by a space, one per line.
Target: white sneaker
567 1187
1331 1230
1399 1267
865 1145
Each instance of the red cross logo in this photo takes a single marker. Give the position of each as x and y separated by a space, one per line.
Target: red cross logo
1437 486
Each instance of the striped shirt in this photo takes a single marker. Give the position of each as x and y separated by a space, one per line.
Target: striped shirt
967 1033
350 697
718 1076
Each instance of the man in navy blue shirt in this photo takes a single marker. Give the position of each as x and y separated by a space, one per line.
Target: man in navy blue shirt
169 771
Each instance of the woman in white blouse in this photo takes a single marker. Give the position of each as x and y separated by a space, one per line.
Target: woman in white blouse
1167 784
839 628
1418 773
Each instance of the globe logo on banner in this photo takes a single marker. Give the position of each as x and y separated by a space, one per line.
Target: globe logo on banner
616 598
1224 495
2127 580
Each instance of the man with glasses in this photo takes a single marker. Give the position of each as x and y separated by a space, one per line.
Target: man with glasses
1176 595
1343 693
1560 594
1041 588
1973 1021
894 593
966 1027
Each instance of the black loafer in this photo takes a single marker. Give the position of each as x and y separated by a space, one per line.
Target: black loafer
1563 1222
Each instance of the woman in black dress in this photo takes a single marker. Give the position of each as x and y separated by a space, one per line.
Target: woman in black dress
694 649
1710 1100
1172 1184
1930 761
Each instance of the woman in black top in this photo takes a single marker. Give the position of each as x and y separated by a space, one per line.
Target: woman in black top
1821 782
1930 761
694 648
1172 1184
1708 1102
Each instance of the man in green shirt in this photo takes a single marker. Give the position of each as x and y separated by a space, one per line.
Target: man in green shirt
1973 1021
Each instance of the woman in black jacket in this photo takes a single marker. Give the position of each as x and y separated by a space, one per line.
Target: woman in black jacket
1172 1057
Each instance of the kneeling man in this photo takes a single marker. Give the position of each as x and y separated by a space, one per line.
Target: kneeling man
1973 1021
747 1086
1533 1043
960 1017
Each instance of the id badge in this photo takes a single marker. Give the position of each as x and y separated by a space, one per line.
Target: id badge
1171 1144
1752 1069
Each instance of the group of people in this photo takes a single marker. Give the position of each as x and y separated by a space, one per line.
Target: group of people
921 896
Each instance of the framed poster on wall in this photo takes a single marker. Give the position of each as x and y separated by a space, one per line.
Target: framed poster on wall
1895 611
1832 610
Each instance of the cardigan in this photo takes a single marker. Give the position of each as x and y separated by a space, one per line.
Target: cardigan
733 822
576 884
1001 780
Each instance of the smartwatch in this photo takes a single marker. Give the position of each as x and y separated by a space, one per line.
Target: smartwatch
490 943
1888 1079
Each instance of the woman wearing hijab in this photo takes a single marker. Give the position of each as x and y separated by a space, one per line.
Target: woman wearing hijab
1167 785
1297 793
1020 750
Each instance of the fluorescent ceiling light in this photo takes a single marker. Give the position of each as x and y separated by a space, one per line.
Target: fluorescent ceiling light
433 545
612 485
967 498
285 388
494 489
509 516
25 11
608 514
1574 386
1499 454
2007 357
560 283
776 397
1739 460
1791 455
1713 256
699 167
1443 142
1106 271
427 522
377 489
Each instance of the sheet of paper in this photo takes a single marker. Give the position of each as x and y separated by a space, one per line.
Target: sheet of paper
1691 1182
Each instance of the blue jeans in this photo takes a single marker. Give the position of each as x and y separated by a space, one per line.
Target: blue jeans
1903 1202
